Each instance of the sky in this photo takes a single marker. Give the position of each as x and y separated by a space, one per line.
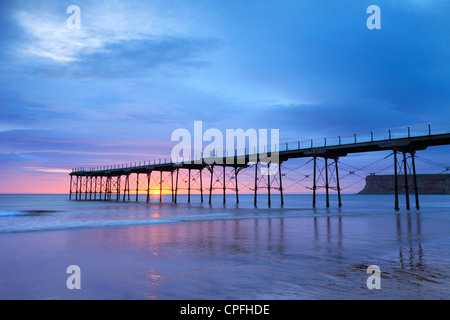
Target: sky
114 90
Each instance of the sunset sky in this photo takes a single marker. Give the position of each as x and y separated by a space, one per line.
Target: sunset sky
114 90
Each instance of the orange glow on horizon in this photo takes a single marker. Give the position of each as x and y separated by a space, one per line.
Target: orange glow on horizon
51 182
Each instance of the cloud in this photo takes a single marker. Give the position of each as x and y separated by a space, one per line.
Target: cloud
49 170
139 57
50 38
103 23
116 40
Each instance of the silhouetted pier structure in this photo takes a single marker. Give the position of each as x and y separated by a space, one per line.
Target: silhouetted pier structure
105 183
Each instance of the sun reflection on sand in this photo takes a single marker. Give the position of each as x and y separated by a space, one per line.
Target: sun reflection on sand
152 281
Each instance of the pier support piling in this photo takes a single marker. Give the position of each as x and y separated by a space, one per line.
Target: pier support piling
416 193
149 174
268 184
236 183
337 182
137 187
100 191
396 207
85 187
176 186
160 185
76 188
405 173
326 184
125 186
189 185
118 188
90 188
201 186
211 182
224 184
106 188
314 182
281 184
95 189
256 184
70 186
171 185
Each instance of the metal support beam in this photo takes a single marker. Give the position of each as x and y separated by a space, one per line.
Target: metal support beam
137 187
118 188
224 183
85 187
314 182
405 173
211 183
76 188
171 184
108 191
70 188
236 183
176 187
189 185
81 186
268 184
160 185
201 186
337 182
256 183
127 180
149 174
106 188
80 189
100 191
90 188
281 184
326 184
110 188
128 187
395 181
95 190
416 193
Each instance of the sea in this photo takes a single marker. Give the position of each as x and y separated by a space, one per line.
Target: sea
197 251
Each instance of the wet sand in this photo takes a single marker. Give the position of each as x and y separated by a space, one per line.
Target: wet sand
322 257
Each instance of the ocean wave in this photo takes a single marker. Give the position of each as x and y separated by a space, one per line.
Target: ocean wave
27 213
12 213
77 224
81 224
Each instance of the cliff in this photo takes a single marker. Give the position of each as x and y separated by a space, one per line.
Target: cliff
426 184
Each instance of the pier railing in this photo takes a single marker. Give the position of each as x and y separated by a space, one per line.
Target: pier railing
373 136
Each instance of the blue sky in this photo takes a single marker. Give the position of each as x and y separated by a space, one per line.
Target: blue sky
114 90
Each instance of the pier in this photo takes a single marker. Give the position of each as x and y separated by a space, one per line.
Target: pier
112 182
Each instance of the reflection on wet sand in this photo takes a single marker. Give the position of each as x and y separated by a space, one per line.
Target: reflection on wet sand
306 252
411 251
